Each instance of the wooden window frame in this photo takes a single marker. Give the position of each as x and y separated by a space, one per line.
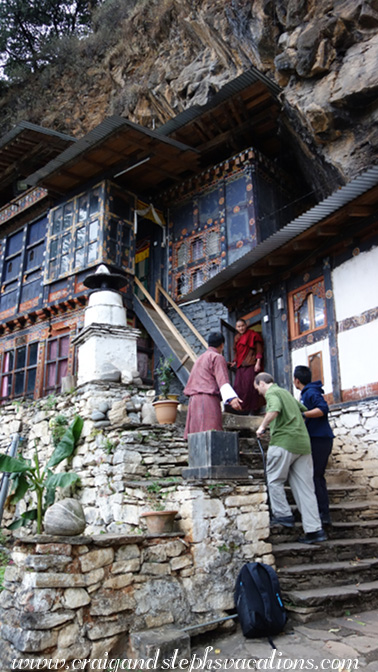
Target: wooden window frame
293 322
56 238
52 389
15 370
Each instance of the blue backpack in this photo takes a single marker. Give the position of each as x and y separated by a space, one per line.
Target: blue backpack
258 601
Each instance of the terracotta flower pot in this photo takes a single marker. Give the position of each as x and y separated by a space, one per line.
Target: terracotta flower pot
166 411
159 522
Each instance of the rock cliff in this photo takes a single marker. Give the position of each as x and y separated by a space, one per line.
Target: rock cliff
148 60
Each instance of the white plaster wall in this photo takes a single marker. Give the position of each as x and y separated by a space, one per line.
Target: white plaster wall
99 352
301 357
358 355
355 285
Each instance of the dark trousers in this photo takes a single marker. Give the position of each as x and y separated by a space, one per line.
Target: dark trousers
321 450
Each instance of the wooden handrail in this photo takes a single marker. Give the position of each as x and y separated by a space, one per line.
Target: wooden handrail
166 321
181 314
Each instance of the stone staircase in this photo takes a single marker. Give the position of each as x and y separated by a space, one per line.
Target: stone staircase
336 576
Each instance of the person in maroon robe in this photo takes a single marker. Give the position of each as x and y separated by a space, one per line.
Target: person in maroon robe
248 354
208 383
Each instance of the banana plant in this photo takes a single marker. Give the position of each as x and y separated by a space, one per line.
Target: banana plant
29 476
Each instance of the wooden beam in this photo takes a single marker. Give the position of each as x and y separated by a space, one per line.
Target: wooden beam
361 210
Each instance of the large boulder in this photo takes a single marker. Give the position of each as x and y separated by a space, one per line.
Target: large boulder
65 518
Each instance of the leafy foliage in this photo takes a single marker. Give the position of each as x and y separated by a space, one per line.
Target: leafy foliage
29 30
165 376
27 475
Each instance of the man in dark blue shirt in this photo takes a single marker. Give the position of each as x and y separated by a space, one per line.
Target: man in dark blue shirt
321 435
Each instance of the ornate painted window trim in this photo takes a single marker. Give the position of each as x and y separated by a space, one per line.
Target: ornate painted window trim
297 299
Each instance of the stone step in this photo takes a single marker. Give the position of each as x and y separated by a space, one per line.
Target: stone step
293 553
338 530
353 529
306 576
315 603
353 511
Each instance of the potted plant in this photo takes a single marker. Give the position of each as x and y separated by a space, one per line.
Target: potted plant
159 520
165 407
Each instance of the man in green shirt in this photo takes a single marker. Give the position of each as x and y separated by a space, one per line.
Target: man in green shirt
289 458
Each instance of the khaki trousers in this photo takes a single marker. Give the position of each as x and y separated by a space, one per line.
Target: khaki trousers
283 466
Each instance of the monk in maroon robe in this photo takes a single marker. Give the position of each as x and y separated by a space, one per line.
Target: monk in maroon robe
248 356
209 383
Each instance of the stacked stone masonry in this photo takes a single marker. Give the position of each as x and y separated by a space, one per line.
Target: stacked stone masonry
119 579
78 597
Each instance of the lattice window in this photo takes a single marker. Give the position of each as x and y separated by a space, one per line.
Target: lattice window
197 248
182 255
212 243
197 278
182 284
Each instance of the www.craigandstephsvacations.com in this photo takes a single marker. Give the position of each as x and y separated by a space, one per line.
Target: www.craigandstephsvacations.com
276 661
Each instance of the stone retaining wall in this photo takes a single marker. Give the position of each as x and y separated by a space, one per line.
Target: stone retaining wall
80 597
355 447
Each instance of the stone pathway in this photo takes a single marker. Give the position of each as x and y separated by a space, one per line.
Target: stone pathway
334 643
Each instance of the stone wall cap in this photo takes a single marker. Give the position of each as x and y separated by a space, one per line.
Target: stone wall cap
78 540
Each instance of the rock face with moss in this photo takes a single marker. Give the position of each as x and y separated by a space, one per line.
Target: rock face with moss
151 59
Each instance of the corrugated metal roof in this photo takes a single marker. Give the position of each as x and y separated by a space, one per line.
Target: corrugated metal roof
227 91
27 125
94 137
344 195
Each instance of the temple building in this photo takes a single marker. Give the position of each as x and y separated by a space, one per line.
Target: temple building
210 214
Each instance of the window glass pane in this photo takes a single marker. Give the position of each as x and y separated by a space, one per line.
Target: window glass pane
19 383
53 349
20 357
62 370
8 361
79 258
304 318
319 311
94 201
33 351
93 230
67 217
66 244
32 374
6 386
52 268
64 346
57 221
51 368
83 208
54 248
92 252
64 264
80 237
